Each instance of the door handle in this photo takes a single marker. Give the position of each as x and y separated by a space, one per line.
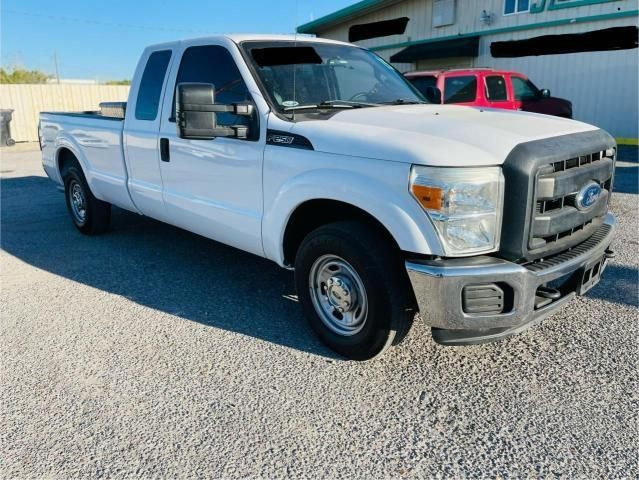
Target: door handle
165 156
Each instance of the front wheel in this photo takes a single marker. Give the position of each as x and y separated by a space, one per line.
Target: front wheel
353 289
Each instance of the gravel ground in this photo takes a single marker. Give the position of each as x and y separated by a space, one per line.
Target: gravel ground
151 352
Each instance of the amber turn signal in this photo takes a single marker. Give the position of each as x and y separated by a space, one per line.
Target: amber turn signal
431 198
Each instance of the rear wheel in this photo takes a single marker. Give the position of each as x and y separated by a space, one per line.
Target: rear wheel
353 289
89 215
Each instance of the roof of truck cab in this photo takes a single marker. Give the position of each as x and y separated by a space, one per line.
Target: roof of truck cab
243 37
253 37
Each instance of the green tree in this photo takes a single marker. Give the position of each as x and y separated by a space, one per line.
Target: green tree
21 75
118 82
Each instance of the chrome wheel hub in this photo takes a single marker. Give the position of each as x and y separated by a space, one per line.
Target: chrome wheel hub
77 201
338 295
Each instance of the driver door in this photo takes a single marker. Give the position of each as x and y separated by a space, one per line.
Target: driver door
213 187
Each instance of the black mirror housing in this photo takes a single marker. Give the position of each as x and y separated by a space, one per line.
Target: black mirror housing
433 95
545 93
196 113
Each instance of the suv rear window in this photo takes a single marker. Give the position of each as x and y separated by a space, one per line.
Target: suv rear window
460 89
148 101
496 88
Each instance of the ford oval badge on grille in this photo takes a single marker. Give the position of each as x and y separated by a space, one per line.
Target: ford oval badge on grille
588 196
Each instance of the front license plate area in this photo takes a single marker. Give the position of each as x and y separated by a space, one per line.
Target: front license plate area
591 275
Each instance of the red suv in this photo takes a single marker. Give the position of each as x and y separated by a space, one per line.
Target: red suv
485 87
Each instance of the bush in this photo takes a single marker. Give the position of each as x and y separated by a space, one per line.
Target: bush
20 75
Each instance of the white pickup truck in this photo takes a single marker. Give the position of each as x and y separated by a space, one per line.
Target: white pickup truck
320 156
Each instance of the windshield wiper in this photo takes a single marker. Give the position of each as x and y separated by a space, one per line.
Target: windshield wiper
331 104
403 101
351 103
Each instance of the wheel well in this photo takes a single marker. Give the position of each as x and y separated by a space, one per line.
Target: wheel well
65 158
314 213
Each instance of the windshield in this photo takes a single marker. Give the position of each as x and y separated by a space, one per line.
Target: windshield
302 74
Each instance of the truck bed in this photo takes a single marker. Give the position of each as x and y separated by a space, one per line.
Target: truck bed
108 110
96 141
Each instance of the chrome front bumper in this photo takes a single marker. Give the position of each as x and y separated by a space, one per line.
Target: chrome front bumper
438 287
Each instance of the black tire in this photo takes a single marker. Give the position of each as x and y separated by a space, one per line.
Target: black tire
97 214
378 264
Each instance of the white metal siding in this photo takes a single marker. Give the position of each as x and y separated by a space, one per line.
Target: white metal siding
602 86
467 19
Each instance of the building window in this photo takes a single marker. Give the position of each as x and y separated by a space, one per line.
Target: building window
516 6
443 12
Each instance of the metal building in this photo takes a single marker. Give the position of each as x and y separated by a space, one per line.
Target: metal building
572 47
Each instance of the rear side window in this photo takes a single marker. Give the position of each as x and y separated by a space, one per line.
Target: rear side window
148 101
460 89
214 64
496 88
422 83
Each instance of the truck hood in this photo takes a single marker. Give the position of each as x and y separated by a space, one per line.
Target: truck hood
438 135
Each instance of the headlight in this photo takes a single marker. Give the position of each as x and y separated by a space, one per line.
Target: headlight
464 204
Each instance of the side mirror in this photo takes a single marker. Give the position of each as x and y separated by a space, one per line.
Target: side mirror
545 93
196 113
433 95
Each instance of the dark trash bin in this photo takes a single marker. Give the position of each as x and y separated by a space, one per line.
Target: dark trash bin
5 128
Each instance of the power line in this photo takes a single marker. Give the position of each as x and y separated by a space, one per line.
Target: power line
98 22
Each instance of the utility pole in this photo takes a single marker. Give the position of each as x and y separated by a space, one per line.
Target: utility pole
55 61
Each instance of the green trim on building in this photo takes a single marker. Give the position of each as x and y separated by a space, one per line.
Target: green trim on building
540 5
559 4
514 28
338 16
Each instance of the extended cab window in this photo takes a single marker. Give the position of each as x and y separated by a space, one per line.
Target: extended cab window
214 64
460 89
496 88
148 101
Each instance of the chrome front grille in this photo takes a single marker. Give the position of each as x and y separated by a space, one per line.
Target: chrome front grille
557 219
